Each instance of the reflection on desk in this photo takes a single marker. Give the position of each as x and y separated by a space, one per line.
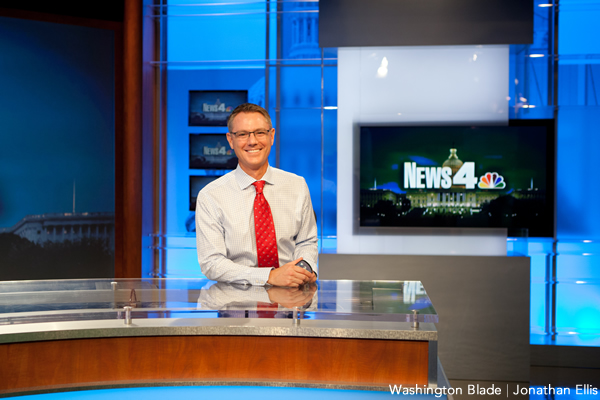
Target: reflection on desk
48 301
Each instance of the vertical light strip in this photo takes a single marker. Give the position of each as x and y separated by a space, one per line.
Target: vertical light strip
278 85
322 141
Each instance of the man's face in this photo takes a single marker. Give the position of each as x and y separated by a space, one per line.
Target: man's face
252 153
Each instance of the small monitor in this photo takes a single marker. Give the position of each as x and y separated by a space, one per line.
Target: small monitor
211 151
197 183
212 108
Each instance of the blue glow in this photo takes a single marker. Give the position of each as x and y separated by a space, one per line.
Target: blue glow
422 160
578 29
578 143
577 308
578 291
561 393
392 186
215 36
213 392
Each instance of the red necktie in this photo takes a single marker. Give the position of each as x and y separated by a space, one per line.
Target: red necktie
266 241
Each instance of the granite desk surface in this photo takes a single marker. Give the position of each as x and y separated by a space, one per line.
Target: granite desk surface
93 308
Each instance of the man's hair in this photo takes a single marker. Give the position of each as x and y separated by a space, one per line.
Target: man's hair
248 108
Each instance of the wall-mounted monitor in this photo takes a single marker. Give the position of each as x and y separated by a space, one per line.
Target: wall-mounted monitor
197 183
211 151
458 177
211 108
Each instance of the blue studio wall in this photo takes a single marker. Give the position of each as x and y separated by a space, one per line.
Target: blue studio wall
298 80
571 264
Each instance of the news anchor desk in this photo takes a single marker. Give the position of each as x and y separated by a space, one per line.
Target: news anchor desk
82 334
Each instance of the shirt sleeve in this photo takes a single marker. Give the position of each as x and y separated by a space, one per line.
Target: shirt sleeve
307 244
212 251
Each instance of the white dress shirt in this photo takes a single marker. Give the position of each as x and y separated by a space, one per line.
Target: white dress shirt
225 237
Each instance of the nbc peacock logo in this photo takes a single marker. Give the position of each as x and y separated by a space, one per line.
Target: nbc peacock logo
491 180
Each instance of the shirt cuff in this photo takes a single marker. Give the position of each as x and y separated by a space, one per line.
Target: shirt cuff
261 276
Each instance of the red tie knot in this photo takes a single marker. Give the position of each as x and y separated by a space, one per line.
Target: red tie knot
259 185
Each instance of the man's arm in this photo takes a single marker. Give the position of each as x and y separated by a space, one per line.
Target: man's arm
307 244
212 250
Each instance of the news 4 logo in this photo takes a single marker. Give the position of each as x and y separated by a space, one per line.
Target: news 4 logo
218 150
416 177
217 107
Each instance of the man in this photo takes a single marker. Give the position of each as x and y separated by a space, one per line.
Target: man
230 209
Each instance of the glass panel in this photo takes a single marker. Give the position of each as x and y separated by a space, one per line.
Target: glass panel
578 261
50 301
578 29
329 210
271 50
579 81
181 131
300 146
531 76
233 30
577 309
540 254
578 290
531 80
180 257
576 198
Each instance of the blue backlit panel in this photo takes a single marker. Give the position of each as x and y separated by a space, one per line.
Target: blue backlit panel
208 31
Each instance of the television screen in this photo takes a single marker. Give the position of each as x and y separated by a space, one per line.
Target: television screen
450 176
211 108
211 151
197 183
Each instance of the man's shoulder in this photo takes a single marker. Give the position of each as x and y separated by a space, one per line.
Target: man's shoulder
223 183
285 176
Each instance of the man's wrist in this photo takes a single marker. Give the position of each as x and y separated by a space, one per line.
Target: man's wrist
268 277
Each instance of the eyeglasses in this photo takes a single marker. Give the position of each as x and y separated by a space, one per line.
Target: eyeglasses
243 135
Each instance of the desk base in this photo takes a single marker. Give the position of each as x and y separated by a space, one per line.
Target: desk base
240 359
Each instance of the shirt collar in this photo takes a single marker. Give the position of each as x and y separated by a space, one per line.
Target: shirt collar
244 180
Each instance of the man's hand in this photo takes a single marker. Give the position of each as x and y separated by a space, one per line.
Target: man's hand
292 297
290 275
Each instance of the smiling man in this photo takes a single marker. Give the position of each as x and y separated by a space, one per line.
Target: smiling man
254 224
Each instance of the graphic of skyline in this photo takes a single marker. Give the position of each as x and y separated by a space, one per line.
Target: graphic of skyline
518 157
57 118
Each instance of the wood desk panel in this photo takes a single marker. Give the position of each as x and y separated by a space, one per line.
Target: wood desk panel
85 362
